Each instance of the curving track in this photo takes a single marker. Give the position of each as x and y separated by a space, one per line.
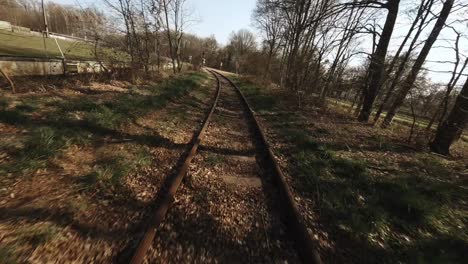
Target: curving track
229 207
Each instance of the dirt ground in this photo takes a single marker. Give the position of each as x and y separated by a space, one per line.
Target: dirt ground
80 164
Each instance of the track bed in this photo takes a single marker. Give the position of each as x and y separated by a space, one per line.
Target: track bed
224 211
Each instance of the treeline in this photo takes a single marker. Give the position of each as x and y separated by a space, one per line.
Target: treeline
307 47
153 33
61 18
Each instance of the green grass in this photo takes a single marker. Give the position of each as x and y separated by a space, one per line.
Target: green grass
60 126
18 44
110 168
79 204
7 255
33 235
41 144
36 235
214 159
260 100
417 219
400 118
403 119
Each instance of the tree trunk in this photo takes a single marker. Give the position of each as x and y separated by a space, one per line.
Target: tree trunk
452 128
434 117
169 37
158 51
423 8
377 64
408 83
271 48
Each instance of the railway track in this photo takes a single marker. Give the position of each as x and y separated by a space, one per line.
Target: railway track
234 205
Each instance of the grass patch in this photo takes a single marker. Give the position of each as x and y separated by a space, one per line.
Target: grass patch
111 114
29 104
78 204
113 166
37 234
6 255
26 108
12 117
39 145
143 157
82 120
111 169
393 219
259 100
213 159
4 102
434 166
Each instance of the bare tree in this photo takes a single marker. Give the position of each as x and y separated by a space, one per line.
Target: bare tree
421 18
176 19
442 109
126 12
377 61
268 20
155 9
409 81
62 19
348 27
242 43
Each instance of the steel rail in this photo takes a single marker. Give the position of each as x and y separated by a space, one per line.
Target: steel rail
173 186
304 242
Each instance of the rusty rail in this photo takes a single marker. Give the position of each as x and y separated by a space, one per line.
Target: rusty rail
305 244
174 183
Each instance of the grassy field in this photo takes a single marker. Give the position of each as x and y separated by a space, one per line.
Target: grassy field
17 44
367 197
403 119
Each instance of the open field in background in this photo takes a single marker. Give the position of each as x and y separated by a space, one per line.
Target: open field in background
79 165
405 119
399 118
17 44
368 196
26 45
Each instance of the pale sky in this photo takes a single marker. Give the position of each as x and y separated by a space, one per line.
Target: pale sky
214 17
221 17
442 49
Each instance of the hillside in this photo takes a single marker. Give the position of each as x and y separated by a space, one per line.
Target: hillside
26 45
